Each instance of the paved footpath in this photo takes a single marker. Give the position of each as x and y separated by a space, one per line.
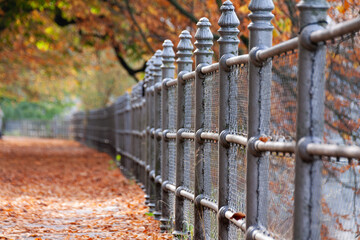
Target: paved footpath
58 189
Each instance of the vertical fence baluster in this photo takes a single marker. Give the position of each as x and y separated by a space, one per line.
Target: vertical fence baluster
117 129
168 71
184 65
147 131
138 136
136 133
151 149
203 57
310 120
157 138
143 137
258 115
229 42
133 137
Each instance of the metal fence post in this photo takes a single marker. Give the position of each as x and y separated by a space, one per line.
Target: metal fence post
203 57
151 153
310 120
143 136
133 137
184 65
168 71
127 128
258 114
147 132
157 138
229 42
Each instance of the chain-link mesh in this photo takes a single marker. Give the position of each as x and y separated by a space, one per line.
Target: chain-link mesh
282 128
341 177
189 165
211 113
211 167
189 110
211 102
238 99
189 155
210 157
172 108
235 233
172 209
238 94
237 187
342 87
188 224
157 141
283 97
210 224
237 175
172 160
281 195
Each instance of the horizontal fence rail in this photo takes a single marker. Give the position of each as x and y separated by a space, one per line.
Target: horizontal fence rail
250 147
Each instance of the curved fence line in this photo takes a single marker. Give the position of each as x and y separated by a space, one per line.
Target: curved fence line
205 145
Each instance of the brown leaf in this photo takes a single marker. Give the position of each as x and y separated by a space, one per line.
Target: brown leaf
238 216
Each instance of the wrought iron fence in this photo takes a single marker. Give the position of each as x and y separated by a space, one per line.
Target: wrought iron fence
57 128
245 134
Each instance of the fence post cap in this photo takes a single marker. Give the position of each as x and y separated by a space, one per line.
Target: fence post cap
261 5
228 16
203 31
168 51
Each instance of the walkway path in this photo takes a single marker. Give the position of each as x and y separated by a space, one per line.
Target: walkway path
56 189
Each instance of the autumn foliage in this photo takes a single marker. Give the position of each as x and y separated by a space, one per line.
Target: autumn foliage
49 47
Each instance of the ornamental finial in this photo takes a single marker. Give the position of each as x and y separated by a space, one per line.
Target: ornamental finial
204 41
184 52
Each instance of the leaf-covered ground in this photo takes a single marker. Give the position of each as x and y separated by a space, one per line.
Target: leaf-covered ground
57 189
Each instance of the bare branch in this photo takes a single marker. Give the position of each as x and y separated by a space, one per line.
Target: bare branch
183 11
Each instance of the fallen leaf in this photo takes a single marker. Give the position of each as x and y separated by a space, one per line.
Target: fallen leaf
238 216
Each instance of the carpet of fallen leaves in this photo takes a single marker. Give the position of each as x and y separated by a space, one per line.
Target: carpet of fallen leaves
59 189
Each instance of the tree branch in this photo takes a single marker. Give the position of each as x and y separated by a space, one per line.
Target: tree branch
189 15
130 11
183 11
115 45
131 72
219 3
60 20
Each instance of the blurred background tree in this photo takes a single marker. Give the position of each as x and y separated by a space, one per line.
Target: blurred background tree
87 52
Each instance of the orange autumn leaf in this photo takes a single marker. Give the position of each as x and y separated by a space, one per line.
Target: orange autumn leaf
264 138
238 216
